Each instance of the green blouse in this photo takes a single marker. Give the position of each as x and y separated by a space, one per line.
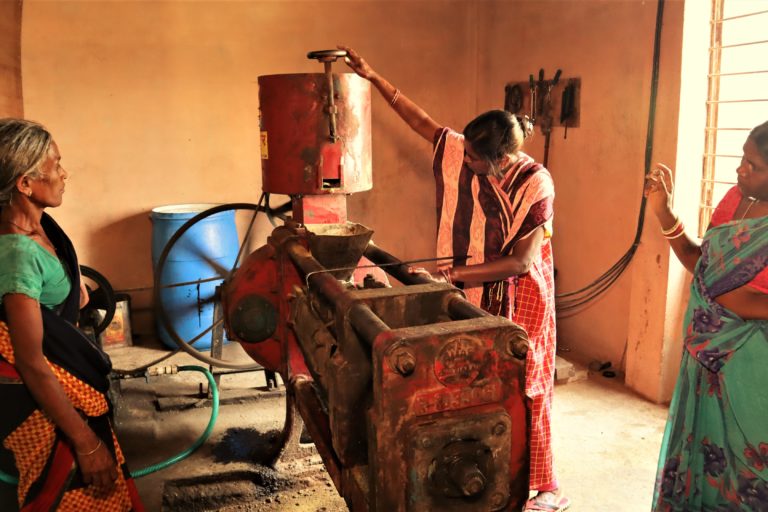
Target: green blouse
27 268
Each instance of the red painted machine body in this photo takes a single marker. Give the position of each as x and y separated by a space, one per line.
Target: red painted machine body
413 397
297 153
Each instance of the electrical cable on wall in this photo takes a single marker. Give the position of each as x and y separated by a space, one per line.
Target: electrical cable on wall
572 301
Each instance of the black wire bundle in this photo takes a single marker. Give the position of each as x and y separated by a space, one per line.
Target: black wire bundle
569 302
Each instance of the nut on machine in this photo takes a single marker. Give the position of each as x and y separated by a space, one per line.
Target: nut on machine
413 397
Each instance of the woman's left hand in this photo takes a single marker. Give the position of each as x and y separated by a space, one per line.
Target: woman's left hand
98 468
442 276
357 63
419 270
659 189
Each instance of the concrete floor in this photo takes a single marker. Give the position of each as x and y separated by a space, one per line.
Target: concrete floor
606 442
606 445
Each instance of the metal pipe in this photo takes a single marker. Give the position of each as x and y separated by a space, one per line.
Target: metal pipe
363 320
394 266
332 110
458 307
366 323
317 278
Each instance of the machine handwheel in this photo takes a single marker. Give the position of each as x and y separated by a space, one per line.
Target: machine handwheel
327 55
224 274
101 298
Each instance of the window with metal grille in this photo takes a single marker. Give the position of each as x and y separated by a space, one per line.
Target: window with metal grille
737 95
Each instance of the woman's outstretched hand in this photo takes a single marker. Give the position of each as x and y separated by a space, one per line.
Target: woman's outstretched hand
659 189
357 63
441 276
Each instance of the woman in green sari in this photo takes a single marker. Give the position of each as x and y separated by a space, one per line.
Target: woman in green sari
714 455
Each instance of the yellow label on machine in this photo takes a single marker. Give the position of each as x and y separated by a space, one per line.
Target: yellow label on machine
264 146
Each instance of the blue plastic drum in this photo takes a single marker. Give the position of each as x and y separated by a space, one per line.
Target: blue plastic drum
208 249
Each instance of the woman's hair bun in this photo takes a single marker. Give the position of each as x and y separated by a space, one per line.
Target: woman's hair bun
526 125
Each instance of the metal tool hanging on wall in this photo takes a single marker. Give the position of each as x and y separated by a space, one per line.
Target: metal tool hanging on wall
547 100
568 105
545 108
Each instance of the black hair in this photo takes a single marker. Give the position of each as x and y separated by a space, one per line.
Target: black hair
760 135
497 133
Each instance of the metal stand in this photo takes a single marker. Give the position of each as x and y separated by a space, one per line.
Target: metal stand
217 339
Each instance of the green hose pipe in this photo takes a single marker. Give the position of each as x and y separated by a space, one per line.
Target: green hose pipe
8 479
200 440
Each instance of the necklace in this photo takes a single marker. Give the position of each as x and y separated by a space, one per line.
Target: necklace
25 230
749 206
41 239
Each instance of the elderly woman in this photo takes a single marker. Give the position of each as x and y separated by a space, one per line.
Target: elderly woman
714 454
58 429
495 209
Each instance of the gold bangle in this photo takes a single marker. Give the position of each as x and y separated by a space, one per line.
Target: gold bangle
672 236
671 230
85 454
395 98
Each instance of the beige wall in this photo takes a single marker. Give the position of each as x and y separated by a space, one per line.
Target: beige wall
156 102
10 59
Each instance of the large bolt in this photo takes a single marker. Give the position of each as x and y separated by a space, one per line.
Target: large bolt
468 477
499 429
517 344
474 484
498 500
403 361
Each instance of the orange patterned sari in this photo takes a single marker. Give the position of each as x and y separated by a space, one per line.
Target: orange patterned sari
43 460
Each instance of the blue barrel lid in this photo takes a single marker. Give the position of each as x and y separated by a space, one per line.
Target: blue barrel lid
177 211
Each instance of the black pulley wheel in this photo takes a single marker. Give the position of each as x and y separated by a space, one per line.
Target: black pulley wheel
101 297
223 274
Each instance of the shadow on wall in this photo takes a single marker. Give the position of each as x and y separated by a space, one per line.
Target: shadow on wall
401 195
122 252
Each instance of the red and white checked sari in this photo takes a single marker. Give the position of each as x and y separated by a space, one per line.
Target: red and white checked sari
480 218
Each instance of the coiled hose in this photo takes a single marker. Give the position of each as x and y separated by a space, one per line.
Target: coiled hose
8 479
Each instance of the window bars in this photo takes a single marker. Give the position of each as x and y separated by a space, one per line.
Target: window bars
737 95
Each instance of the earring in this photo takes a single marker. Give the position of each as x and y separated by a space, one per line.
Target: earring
29 194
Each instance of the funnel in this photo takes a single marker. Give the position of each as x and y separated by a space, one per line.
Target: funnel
338 246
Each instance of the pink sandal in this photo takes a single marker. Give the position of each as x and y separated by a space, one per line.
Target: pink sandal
536 505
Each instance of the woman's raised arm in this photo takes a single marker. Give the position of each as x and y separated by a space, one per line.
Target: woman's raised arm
659 191
411 113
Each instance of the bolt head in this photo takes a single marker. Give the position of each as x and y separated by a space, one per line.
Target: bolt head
404 361
517 345
474 485
497 500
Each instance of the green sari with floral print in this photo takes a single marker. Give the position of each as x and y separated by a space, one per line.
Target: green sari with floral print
714 456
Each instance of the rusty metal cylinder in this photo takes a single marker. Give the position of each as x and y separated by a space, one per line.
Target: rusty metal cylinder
309 145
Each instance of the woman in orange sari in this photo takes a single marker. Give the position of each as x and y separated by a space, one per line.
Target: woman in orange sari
57 430
495 209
